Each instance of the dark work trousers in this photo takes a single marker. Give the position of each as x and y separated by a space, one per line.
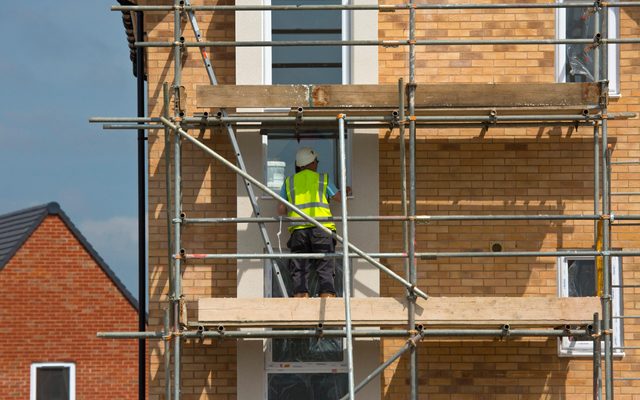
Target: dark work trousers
312 240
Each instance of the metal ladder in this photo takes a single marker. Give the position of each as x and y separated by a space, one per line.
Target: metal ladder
236 149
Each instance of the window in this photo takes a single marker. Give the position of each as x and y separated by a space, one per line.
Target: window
577 278
575 62
305 65
310 368
53 381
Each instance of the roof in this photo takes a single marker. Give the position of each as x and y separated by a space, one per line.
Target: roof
128 21
17 227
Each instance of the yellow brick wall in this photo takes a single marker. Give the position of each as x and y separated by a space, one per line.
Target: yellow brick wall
459 172
208 190
503 171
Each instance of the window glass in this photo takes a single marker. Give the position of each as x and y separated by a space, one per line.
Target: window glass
306 64
52 383
580 24
297 386
582 278
281 156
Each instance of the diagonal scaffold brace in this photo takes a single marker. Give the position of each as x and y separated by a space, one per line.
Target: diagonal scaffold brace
306 217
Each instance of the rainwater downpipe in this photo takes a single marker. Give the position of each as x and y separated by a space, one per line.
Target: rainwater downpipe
142 234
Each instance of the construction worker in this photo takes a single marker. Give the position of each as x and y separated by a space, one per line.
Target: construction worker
310 191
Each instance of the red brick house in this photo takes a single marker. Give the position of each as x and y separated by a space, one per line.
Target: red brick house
57 293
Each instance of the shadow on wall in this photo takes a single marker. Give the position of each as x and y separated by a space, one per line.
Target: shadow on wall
547 174
515 369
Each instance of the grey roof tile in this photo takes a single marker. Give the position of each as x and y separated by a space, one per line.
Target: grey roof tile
16 227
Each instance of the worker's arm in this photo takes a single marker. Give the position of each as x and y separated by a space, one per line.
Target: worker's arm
282 209
338 196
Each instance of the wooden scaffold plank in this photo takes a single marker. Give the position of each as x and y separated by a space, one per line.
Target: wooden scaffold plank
380 311
471 95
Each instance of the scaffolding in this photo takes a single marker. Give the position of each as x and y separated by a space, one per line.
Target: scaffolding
407 113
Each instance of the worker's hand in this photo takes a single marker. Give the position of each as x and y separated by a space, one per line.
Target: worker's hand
349 192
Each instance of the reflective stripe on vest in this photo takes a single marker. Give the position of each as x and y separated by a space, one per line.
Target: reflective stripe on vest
307 190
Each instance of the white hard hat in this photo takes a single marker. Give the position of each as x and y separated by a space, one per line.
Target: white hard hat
305 156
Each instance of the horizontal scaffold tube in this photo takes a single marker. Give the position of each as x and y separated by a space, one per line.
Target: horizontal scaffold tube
101 120
386 119
361 7
277 197
423 255
268 334
419 218
131 126
385 43
357 125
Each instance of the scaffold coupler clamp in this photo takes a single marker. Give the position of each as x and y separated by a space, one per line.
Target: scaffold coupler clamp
320 329
506 331
597 5
493 116
179 7
415 338
200 331
411 293
395 120
592 331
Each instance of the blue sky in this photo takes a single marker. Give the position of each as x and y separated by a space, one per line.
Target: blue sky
63 62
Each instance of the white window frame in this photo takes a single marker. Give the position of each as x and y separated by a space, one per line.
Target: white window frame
346 54
584 348
72 377
613 59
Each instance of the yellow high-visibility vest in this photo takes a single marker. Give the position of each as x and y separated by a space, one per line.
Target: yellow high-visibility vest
309 193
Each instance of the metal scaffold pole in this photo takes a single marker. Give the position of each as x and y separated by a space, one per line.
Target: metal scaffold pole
413 354
345 254
177 204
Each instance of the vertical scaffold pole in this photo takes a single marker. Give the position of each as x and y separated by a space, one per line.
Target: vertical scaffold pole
177 202
597 359
403 171
345 254
596 177
167 354
597 231
603 77
170 260
412 194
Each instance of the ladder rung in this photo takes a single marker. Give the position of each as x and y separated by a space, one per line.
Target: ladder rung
626 379
627 317
626 286
627 348
625 194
